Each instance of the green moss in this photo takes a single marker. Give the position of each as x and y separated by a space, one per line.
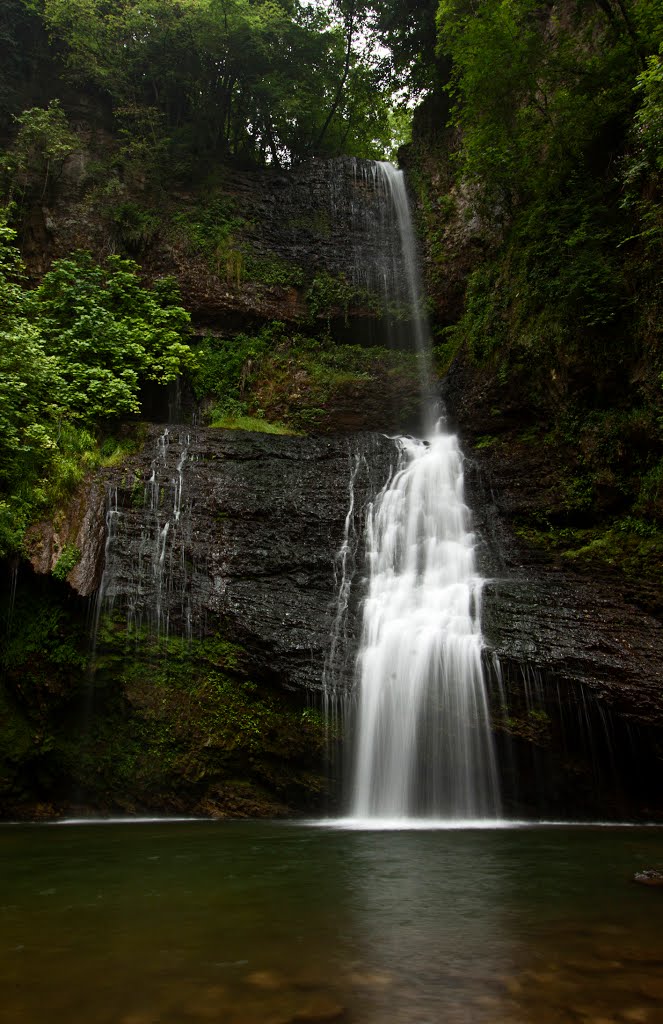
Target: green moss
486 441
301 380
633 546
155 722
279 381
272 270
530 724
221 419
329 295
198 717
211 228
136 226
114 451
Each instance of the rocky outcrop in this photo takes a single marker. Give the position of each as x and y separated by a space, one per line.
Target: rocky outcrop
575 662
584 623
261 245
234 533
79 528
229 537
184 684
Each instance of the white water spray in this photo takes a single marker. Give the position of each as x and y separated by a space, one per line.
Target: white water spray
423 737
423 741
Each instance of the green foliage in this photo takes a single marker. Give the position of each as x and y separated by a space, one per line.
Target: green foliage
532 100
552 307
211 230
45 646
272 270
328 296
302 381
159 720
198 720
407 28
109 333
643 166
116 450
225 365
279 381
135 226
42 144
631 545
74 353
70 556
25 55
486 441
261 81
558 120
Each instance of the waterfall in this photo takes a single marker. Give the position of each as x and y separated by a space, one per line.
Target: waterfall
423 744
423 732
147 536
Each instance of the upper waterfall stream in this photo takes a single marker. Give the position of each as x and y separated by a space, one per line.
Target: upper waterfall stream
423 745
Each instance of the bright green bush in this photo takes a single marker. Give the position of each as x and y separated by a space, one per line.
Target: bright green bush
74 353
109 333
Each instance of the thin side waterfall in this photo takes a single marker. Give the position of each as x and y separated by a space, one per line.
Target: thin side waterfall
145 568
423 744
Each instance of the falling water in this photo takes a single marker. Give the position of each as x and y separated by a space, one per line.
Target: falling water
397 278
423 740
147 535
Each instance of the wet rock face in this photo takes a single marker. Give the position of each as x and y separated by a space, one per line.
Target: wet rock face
81 526
287 228
234 533
585 629
575 667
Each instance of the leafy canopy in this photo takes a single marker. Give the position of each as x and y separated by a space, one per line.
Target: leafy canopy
263 80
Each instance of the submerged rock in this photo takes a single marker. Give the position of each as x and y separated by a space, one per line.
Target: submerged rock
649 877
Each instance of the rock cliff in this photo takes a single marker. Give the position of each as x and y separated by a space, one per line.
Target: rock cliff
213 554
224 529
301 246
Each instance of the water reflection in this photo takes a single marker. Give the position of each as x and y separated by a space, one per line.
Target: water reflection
430 926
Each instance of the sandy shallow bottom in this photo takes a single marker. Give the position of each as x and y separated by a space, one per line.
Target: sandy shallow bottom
247 922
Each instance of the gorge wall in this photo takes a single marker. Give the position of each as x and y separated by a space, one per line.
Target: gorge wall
219 576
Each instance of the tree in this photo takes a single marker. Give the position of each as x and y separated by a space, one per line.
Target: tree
73 355
267 81
43 143
109 333
535 93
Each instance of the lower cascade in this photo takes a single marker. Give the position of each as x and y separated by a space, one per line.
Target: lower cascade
423 741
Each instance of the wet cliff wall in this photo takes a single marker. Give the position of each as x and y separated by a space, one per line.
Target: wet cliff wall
185 684
179 668
305 246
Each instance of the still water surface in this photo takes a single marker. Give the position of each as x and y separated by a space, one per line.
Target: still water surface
277 923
